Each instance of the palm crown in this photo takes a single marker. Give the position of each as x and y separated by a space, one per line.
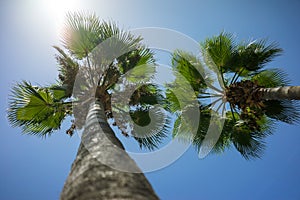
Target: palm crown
248 117
40 110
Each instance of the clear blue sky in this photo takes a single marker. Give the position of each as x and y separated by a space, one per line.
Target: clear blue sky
33 168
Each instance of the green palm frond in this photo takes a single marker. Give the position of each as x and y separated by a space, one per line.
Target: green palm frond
82 34
220 49
141 73
59 92
172 102
139 56
144 98
187 66
254 55
205 116
116 45
248 144
152 142
146 56
119 38
223 141
145 122
150 137
145 95
45 127
271 78
108 29
35 109
235 132
140 59
243 58
283 110
68 69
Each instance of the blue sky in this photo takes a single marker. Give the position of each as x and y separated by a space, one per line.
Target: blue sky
34 168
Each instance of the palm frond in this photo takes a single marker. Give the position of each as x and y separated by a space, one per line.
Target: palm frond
117 45
146 123
172 103
220 49
35 109
150 136
190 68
206 117
254 55
141 73
271 78
68 69
235 132
59 92
111 30
145 95
283 110
248 144
137 57
82 34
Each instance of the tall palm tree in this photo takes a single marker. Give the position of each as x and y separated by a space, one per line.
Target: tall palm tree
248 99
87 76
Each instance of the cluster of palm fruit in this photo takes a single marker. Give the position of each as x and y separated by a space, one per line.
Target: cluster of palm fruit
245 96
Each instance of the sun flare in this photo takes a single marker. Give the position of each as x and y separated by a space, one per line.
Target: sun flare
57 10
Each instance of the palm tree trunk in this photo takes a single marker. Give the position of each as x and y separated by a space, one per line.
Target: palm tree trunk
90 179
278 93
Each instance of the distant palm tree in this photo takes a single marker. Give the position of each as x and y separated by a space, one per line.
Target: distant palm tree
250 98
41 110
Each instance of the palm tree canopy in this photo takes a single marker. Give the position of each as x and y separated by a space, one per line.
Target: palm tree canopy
242 67
40 110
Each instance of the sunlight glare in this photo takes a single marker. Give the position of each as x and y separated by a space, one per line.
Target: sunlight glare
57 10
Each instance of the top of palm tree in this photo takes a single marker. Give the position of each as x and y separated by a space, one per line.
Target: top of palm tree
248 119
94 57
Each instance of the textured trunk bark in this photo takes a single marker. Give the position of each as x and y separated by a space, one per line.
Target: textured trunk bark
90 179
278 93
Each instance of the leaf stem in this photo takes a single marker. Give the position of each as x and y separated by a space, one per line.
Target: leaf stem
213 103
234 76
214 88
219 107
211 96
232 112
239 74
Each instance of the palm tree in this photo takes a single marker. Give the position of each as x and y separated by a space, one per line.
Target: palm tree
87 76
248 99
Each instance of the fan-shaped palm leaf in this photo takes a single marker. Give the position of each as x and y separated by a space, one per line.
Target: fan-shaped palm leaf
271 78
36 109
82 34
283 110
190 68
150 137
220 49
254 55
